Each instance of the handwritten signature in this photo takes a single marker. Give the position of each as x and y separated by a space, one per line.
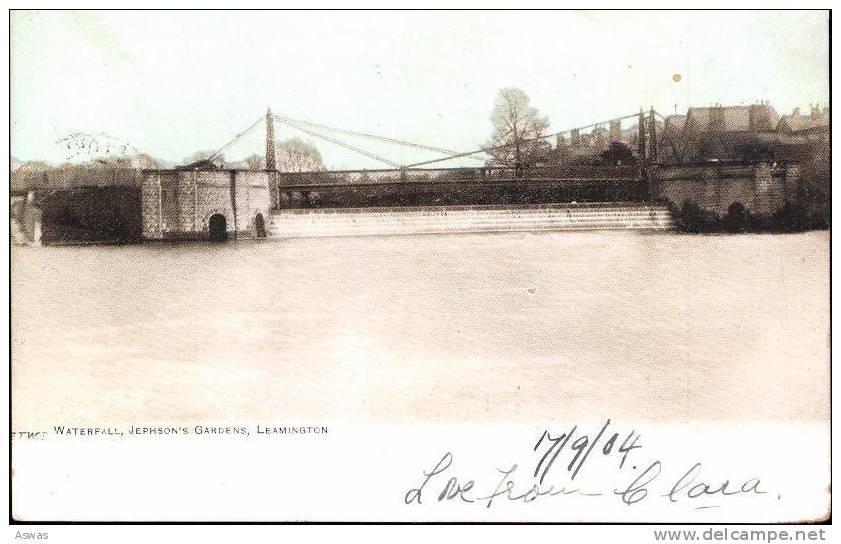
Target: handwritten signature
691 486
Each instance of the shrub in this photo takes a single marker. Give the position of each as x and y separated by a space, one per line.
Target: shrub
789 218
736 219
692 218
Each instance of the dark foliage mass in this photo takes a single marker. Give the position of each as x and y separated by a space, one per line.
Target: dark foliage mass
618 154
793 216
109 214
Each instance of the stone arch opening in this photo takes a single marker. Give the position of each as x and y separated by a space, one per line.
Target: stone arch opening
260 226
218 227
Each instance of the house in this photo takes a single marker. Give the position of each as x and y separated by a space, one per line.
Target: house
717 133
760 117
814 126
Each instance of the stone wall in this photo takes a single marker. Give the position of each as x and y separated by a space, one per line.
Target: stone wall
762 188
179 204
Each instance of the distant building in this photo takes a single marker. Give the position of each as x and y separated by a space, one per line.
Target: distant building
814 126
761 117
673 126
588 147
739 133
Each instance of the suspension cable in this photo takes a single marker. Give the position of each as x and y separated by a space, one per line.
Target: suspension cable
340 143
297 124
237 137
525 140
385 139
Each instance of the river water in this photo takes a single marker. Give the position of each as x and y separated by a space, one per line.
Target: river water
484 328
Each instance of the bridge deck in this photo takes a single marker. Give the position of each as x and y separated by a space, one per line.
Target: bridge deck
86 177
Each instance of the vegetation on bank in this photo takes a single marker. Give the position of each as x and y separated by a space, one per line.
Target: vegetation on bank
89 215
791 217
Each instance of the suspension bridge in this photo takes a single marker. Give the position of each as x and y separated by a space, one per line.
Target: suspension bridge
593 135
598 176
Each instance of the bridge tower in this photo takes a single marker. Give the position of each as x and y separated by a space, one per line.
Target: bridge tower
641 147
271 164
643 154
651 159
652 137
271 161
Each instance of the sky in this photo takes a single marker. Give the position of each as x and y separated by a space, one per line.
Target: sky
173 83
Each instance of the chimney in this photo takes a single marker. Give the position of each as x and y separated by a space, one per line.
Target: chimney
598 134
560 147
816 111
796 111
575 138
716 118
652 136
759 117
641 150
615 129
271 165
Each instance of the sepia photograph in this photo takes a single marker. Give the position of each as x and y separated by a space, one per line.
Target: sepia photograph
421 267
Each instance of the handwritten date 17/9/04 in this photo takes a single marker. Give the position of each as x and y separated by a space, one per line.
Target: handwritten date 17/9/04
582 446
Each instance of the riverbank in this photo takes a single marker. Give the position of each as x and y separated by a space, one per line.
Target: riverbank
304 223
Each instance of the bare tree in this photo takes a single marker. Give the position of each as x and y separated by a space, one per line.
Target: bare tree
517 131
202 157
296 155
144 160
292 155
34 166
255 162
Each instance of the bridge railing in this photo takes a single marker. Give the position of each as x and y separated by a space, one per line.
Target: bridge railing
458 175
77 177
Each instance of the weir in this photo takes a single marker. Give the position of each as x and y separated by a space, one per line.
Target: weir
469 219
